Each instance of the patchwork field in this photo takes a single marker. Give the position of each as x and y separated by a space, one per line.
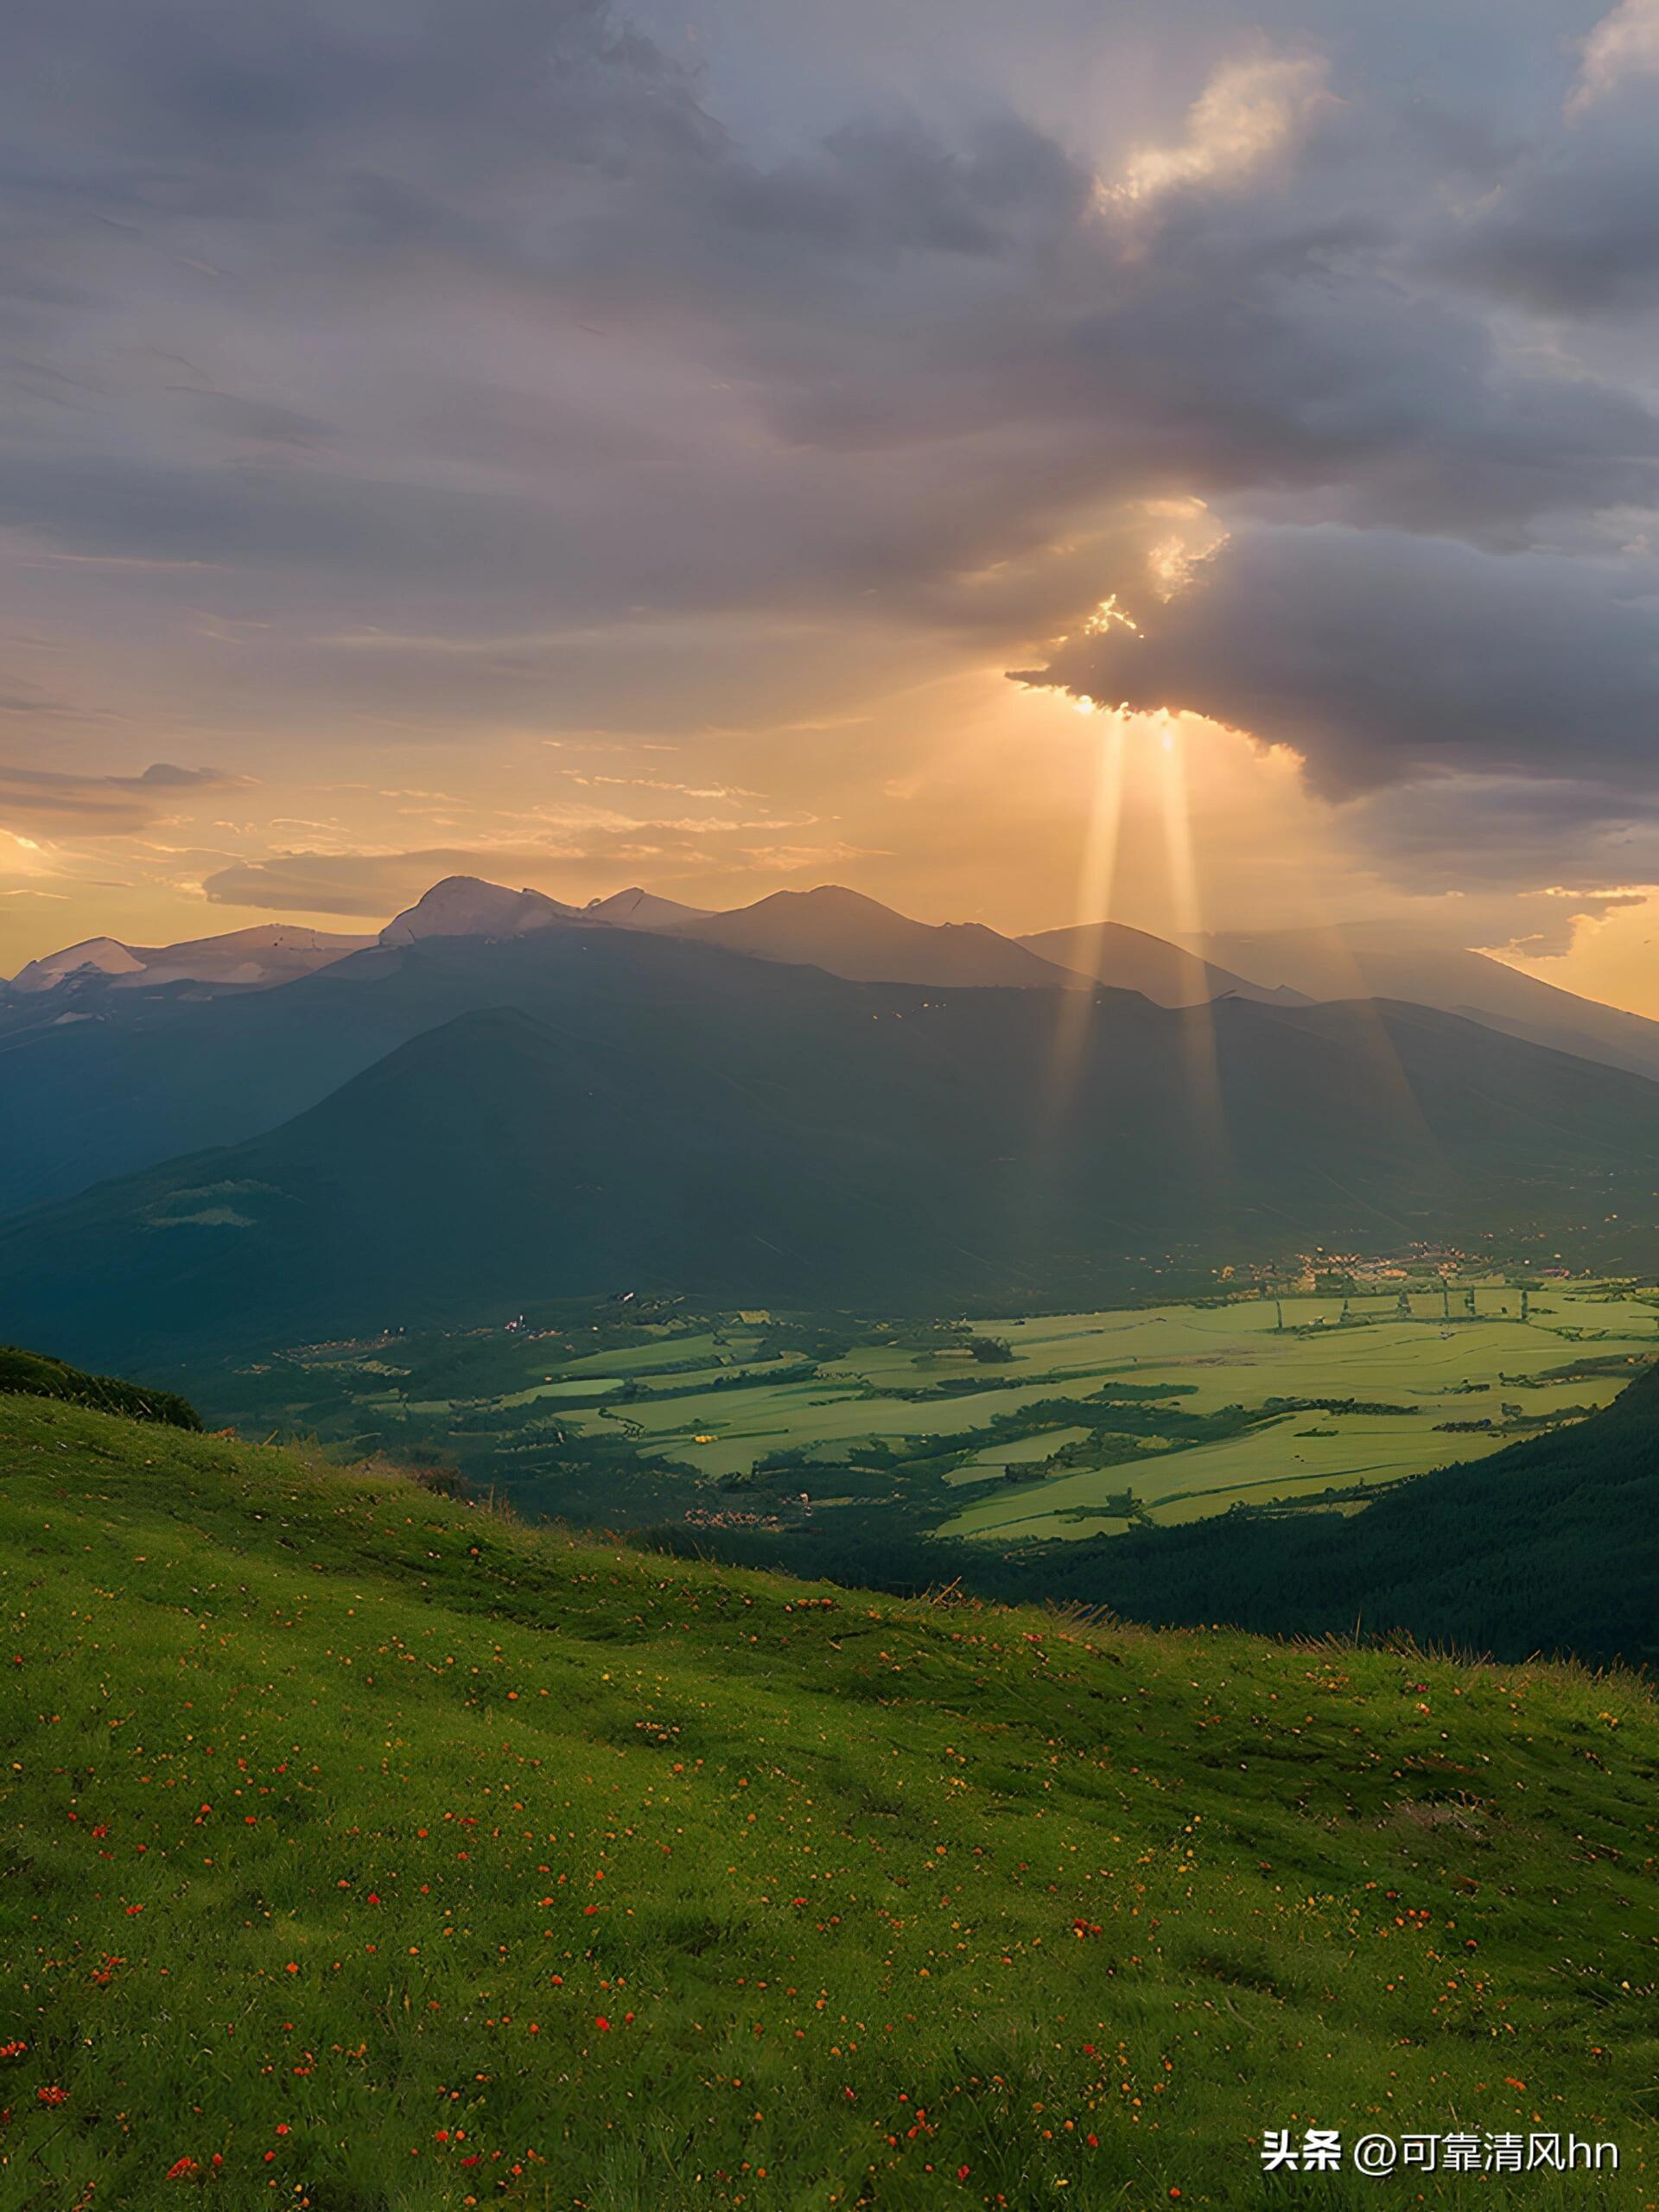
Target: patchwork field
1064 1426
1492 1368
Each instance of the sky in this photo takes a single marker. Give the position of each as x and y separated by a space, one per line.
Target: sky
1196 458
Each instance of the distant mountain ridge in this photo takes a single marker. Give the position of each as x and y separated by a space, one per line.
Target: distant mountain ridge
858 938
658 1113
634 909
1133 960
828 927
1382 960
270 953
851 936
465 906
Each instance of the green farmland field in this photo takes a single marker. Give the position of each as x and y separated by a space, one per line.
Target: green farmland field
1001 1432
1441 1370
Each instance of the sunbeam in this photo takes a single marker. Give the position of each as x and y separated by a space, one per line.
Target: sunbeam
1199 1022
1096 878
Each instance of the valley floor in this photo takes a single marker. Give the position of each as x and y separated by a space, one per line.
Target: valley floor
838 1434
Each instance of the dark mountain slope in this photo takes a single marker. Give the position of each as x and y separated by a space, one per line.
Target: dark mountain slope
141 1078
136 1077
96 1081
94 1085
717 1128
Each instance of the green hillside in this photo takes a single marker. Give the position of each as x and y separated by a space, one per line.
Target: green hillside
369 1851
32 1375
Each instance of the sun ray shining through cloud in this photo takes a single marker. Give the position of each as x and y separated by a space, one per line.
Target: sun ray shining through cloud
1074 1008
1198 1022
739 409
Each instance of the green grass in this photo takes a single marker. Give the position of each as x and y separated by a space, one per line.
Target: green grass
398 1857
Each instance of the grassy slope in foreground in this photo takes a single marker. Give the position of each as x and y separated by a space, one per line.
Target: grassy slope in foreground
396 1855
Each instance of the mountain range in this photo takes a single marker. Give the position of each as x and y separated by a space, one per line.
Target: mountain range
578 1110
255 959
813 1101
847 934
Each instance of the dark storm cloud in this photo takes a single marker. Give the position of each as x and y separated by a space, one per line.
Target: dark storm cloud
1573 238
1494 835
1383 657
270 103
1571 227
477 320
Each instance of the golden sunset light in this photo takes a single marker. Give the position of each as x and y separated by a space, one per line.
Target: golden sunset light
828 1105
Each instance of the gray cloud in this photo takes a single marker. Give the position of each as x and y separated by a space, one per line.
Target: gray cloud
480 320
1574 845
36 798
1572 227
372 884
378 883
162 775
881 294
1383 656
